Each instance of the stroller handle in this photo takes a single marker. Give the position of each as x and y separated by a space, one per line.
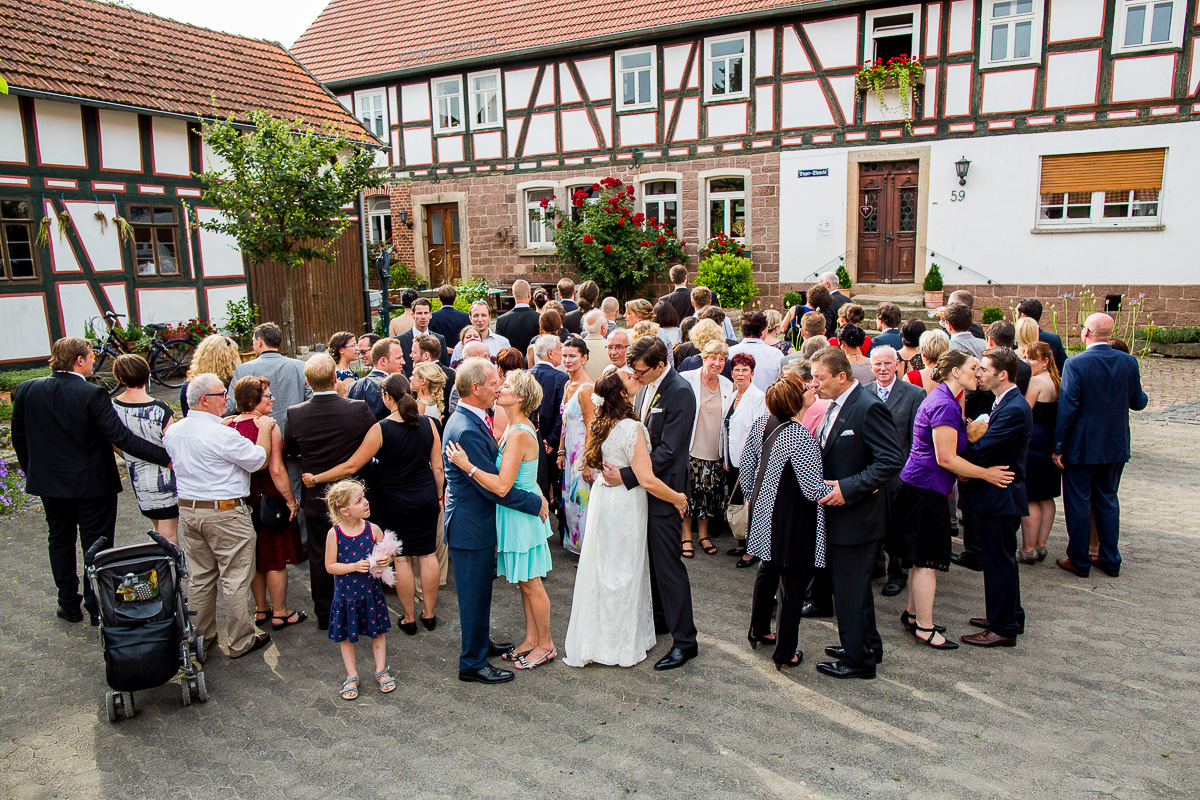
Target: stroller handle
174 550
96 547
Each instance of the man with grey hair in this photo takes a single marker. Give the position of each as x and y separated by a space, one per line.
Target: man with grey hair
830 281
547 349
212 464
519 325
611 308
595 326
472 350
618 343
481 320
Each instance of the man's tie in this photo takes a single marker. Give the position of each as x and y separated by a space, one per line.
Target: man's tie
995 403
491 419
883 392
823 428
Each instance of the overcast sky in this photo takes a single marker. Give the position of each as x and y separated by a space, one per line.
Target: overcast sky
279 20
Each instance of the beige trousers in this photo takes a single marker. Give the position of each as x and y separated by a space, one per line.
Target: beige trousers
220 552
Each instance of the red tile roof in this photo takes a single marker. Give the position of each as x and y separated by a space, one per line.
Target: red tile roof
358 38
111 54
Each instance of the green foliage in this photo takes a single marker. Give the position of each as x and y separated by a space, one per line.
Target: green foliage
459 303
5 411
793 299
729 276
378 327
933 279
843 277
468 291
611 243
10 379
404 277
1187 334
242 317
992 314
722 244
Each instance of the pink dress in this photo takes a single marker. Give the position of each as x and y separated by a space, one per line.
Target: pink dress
812 417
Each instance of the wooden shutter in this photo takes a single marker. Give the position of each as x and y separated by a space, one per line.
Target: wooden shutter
1089 172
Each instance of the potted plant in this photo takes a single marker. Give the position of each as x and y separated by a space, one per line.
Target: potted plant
902 73
933 287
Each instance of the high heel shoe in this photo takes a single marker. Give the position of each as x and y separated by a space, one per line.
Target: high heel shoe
795 662
429 622
945 645
409 628
1041 551
910 622
1028 556
754 639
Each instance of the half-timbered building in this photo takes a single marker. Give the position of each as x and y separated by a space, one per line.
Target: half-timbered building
102 122
1045 147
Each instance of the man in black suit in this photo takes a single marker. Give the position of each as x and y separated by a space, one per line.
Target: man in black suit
448 321
667 407
63 429
680 298
997 510
967 299
830 281
566 294
520 325
1032 308
902 399
322 432
860 456
547 348
428 349
422 313
387 359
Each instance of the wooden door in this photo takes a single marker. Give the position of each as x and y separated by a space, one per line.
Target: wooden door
887 221
443 235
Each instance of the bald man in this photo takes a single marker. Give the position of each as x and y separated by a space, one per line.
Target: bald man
520 325
1100 386
472 350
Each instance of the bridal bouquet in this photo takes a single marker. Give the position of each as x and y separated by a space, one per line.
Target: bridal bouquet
389 545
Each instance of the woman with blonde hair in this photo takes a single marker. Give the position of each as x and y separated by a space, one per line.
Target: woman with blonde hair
933 344
216 354
774 331
1027 334
699 336
429 382
638 310
643 328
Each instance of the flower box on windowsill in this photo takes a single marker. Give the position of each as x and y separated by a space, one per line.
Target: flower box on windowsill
892 109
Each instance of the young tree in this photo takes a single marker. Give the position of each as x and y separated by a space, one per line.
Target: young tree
283 190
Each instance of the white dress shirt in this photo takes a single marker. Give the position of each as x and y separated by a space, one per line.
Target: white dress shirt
494 341
651 390
212 461
834 410
766 360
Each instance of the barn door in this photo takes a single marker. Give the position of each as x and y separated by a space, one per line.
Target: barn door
887 224
443 235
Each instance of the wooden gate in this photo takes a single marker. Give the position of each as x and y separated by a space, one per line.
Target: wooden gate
329 295
887 221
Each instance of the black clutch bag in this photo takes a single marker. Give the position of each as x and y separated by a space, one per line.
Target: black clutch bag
271 513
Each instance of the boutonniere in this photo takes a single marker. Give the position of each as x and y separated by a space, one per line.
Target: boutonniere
654 400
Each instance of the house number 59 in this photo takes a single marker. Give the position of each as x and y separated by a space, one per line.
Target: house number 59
958 195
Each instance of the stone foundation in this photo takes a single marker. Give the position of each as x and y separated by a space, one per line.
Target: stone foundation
1166 306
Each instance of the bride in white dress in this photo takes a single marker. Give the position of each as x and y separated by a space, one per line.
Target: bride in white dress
612 618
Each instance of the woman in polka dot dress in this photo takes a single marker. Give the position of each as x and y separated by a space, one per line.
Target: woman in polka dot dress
358 606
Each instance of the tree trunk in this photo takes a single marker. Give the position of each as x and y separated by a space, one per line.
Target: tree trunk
289 312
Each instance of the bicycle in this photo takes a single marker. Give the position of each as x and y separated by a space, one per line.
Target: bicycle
169 359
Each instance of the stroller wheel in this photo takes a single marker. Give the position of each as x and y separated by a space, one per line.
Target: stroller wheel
110 705
127 705
185 696
201 649
201 687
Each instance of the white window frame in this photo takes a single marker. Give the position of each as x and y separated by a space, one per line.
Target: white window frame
1178 23
657 177
436 100
1096 219
578 182
526 247
374 216
618 73
1035 17
869 30
378 110
707 197
747 75
473 97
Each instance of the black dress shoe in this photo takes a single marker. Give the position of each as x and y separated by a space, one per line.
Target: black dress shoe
838 669
677 657
498 648
409 628
743 563
70 615
737 551
891 589
485 674
810 611
967 560
840 653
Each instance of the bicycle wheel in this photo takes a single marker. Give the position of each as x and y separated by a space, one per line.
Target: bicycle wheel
169 362
102 371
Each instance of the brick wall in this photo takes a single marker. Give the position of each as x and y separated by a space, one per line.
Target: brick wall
1165 305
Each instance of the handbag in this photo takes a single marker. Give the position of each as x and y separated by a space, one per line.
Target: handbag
271 513
738 515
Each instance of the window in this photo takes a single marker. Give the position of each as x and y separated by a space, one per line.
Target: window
16 241
154 239
1101 190
371 108
892 32
589 192
1013 33
485 99
379 210
538 232
660 201
636 79
447 105
727 207
1145 24
725 60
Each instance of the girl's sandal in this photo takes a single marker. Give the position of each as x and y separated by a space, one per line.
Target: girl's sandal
549 656
710 548
350 688
513 655
386 682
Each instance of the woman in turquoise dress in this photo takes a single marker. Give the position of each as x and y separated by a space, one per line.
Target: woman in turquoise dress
524 554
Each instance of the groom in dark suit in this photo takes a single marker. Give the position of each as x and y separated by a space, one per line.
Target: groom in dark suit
667 407
860 455
471 518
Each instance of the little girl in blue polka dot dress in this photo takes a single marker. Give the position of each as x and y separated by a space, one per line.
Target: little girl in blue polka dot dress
358 605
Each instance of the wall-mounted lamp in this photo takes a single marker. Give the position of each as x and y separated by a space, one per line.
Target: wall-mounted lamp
960 168
404 218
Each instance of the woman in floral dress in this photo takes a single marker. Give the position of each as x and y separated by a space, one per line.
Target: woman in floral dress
577 413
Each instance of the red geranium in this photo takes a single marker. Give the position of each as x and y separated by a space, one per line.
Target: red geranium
660 239
621 221
587 238
644 243
608 248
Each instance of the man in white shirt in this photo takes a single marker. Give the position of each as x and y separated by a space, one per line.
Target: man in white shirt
766 357
958 321
618 345
594 325
481 319
702 299
212 464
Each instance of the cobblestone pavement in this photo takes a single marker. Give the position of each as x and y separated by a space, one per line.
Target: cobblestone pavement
1170 382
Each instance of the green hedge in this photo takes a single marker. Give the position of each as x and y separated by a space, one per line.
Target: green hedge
1183 335
10 379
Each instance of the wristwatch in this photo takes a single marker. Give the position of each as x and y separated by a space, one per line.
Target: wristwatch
472 472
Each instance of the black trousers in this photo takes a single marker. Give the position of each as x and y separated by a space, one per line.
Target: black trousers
790 582
670 589
1001 582
82 519
850 573
322 581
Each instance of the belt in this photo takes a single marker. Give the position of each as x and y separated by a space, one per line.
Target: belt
215 505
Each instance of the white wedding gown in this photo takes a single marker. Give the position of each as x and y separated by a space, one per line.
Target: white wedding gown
612 618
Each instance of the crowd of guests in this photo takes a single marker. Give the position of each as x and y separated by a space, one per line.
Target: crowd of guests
831 459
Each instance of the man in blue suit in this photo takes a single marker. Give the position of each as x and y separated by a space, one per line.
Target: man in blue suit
471 518
448 321
888 317
998 510
1100 386
547 349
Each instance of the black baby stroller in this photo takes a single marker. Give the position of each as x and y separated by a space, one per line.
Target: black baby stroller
144 622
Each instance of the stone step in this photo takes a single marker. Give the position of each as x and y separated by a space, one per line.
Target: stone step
888 289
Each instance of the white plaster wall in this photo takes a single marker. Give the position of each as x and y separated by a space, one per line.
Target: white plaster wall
687 128
960 39
577 131
115 292
12 135
514 135
418 146
217 297
728 119
59 134
99 240
794 58
488 145
596 74
958 90
804 201
834 41
933 28
540 138
1075 19
604 115
844 90
1147 78
78 306
929 108
545 95
639 129
1071 78
120 142
170 146
166 305
414 102
802 105
764 109
450 149
566 83
61 255
764 52
219 253
1008 90
24 332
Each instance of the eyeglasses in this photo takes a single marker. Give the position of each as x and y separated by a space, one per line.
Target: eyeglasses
641 372
618 347
218 394
268 396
